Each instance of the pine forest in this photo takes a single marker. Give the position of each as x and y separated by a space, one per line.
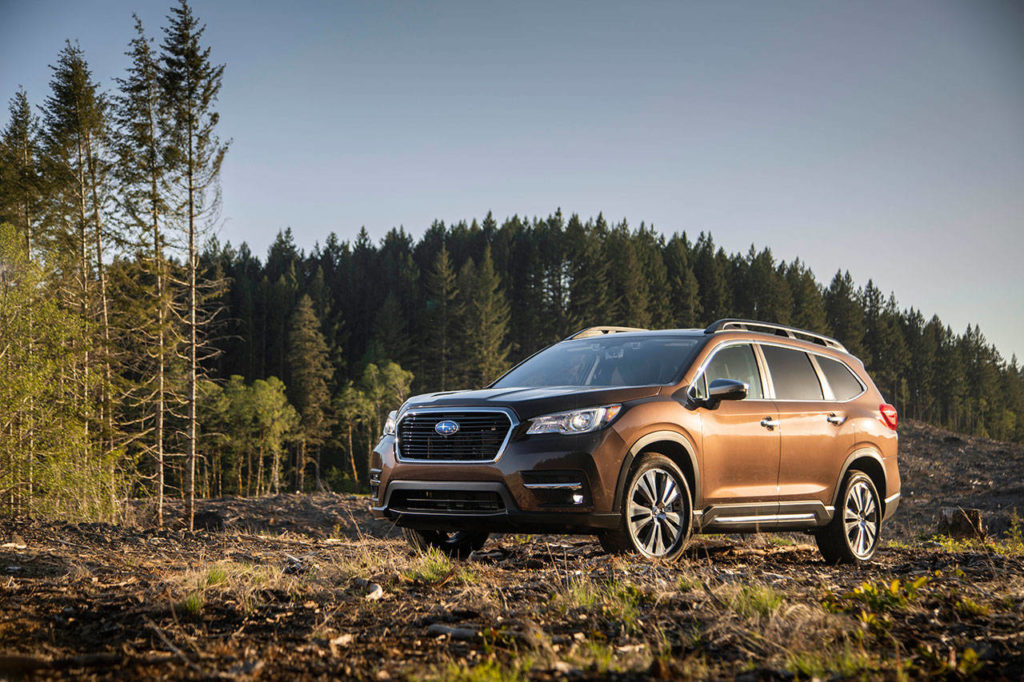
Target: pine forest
141 357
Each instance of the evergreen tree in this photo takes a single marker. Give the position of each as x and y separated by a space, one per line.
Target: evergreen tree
486 318
588 291
310 374
763 293
627 282
442 295
190 84
844 313
75 143
685 302
710 274
649 249
808 303
20 181
142 187
390 338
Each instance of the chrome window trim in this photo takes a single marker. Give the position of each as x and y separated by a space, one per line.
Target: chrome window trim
767 386
814 368
513 423
863 388
725 344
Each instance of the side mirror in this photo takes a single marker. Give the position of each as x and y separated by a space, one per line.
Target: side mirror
726 389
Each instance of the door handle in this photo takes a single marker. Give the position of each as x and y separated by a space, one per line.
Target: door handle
835 419
769 423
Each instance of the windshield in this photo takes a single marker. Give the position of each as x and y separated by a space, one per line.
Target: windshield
610 360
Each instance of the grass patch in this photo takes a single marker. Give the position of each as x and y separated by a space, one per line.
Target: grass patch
430 567
620 602
488 671
217 575
191 605
756 601
687 583
844 663
434 567
779 541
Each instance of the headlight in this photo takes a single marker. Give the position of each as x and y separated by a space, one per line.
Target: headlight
389 423
576 421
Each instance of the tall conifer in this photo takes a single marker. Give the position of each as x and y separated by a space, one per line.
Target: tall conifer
190 85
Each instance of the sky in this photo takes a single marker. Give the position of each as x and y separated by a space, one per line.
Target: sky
882 138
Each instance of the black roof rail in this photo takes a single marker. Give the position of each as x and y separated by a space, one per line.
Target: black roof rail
732 323
601 331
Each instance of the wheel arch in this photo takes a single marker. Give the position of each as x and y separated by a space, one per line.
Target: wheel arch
673 445
870 462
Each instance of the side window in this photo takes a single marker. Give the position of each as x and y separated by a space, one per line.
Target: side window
734 362
845 385
792 373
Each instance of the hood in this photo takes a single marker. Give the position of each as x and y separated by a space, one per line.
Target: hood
532 402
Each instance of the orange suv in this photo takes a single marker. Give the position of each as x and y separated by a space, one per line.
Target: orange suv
645 437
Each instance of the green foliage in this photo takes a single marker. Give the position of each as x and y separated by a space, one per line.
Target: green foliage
431 567
621 602
843 663
192 605
756 601
878 597
108 197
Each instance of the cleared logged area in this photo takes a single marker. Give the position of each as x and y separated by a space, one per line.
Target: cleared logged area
311 587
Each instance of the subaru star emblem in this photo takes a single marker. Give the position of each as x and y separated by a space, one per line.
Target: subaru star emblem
446 427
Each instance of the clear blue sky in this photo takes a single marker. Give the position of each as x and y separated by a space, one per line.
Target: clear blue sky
884 138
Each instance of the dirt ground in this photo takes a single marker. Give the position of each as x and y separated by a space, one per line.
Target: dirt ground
311 587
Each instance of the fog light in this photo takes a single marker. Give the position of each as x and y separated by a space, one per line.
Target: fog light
577 498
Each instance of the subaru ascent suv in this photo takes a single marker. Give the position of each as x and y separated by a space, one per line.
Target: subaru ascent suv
646 437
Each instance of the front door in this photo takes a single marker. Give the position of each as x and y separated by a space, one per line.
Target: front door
741 441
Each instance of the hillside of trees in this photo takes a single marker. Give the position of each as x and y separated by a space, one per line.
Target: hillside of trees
140 357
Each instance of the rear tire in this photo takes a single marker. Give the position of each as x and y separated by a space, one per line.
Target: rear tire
457 544
656 511
852 535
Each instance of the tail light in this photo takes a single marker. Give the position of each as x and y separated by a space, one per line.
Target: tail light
889 415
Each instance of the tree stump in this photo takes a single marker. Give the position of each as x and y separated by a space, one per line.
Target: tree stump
960 523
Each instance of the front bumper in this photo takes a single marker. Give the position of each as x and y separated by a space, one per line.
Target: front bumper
540 483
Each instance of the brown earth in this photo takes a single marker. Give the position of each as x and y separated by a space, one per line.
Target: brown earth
311 587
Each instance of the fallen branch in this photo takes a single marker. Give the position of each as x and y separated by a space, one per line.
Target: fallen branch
170 645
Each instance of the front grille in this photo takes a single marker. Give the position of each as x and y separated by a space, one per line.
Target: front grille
446 501
478 439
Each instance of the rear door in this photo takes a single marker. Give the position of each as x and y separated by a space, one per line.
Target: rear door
740 437
815 435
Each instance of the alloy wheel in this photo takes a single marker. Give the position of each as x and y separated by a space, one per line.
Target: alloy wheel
860 519
657 508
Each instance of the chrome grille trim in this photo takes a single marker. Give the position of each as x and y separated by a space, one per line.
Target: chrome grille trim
509 414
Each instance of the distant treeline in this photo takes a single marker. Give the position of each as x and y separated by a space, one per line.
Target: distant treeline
139 356
465 301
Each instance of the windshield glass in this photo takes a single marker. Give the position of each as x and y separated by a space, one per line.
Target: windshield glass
610 360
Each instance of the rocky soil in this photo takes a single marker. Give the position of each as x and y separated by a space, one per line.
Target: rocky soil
311 587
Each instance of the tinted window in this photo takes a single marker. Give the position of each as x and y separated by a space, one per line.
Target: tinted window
612 360
792 373
734 362
844 384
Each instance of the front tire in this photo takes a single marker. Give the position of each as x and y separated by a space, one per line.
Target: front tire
656 511
852 535
457 544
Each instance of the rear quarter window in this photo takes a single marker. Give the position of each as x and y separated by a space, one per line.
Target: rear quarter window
792 374
845 385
